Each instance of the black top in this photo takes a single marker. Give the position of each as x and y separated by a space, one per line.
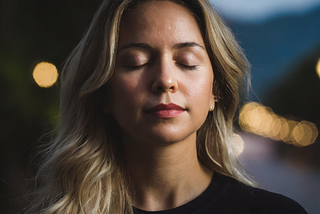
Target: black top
226 195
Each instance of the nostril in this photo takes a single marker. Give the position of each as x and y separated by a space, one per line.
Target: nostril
162 89
164 85
159 88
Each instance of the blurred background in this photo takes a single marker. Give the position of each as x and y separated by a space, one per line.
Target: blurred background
278 120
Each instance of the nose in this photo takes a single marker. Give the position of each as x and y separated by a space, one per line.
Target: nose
166 79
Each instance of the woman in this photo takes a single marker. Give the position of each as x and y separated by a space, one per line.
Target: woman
147 104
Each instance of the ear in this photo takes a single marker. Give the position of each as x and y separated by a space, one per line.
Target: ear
214 97
212 102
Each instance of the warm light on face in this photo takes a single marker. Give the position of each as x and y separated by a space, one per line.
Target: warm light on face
45 74
258 119
318 68
154 69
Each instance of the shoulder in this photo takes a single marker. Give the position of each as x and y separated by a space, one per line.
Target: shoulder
236 195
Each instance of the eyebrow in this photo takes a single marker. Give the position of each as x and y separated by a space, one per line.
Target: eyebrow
135 45
147 46
187 45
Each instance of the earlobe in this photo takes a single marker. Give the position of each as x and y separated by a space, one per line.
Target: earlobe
212 102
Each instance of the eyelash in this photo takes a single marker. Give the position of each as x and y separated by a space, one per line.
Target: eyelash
192 68
135 67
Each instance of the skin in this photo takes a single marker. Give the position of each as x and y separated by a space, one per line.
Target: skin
162 59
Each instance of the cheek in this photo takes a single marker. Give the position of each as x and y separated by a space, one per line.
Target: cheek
201 92
125 92
122 88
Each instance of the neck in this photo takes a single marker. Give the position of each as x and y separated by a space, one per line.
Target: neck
167 175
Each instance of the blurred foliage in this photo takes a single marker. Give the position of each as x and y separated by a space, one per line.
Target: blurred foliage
31 31
298 97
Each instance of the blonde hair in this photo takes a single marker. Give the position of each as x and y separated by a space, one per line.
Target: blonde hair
83 169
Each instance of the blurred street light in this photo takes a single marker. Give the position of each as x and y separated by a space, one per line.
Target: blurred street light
45 74
318 68
261 120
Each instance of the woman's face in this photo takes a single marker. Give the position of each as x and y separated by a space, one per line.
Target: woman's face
161 90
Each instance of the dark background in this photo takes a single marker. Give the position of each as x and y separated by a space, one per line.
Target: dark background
283 52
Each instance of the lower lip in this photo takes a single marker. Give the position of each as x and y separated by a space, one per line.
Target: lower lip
166 113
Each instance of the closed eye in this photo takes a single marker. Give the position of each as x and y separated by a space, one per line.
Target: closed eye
189 67
135 67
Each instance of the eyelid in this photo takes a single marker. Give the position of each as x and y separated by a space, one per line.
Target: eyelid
189 67
135 67
130 58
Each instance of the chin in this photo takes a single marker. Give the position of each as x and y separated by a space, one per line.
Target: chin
169 138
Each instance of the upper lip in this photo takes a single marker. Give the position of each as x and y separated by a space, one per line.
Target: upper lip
161 106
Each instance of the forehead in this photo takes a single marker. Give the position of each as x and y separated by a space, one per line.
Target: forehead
161 20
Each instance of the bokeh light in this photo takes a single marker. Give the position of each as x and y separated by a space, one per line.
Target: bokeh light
286 131
238 144
45 74
304 133
318 68
261 120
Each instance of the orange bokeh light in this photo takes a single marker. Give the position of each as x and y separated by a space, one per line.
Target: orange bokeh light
261 120
45 74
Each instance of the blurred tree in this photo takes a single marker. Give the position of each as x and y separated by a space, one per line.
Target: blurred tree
31 31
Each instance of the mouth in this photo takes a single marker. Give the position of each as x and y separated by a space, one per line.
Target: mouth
170 110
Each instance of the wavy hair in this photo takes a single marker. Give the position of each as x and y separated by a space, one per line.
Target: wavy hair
83 168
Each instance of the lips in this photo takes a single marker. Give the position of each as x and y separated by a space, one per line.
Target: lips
165 110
